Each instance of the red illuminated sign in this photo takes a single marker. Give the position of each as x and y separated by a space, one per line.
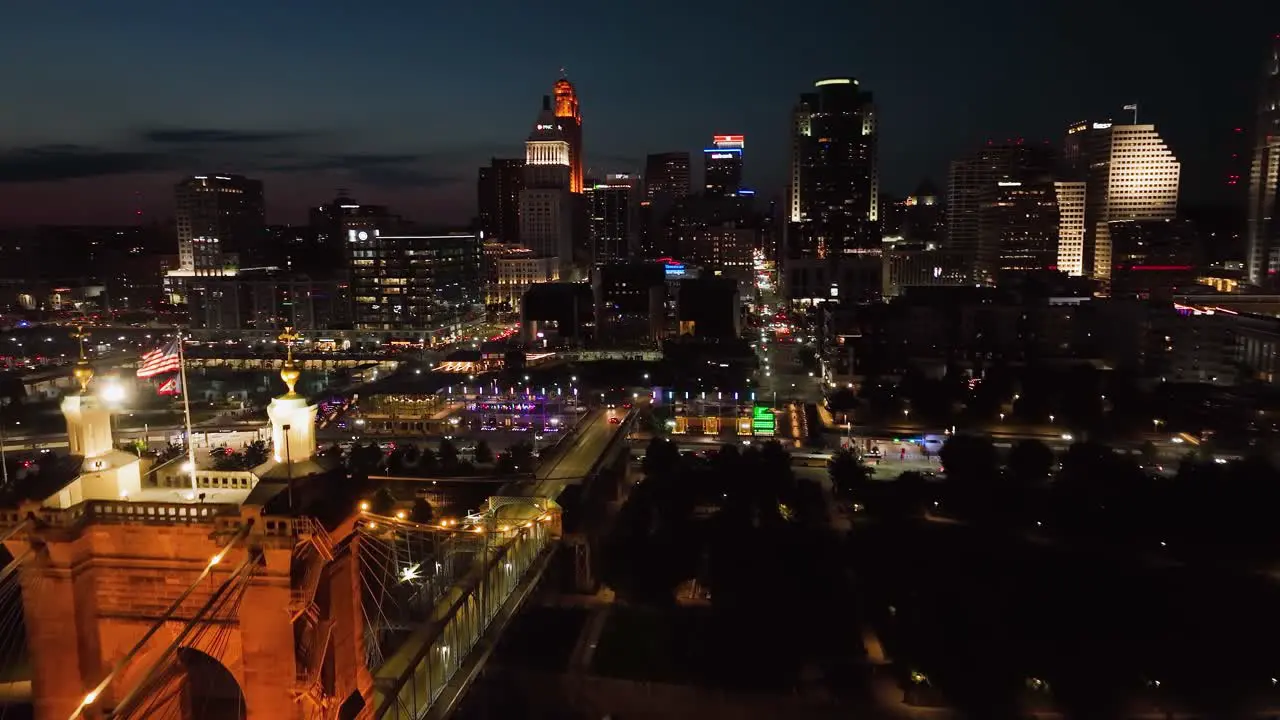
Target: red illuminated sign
728 139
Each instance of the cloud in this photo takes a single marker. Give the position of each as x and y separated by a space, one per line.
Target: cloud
52 163
197 150
375 169
212 136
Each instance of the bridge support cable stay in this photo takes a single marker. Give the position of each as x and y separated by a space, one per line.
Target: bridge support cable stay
405 568
223 602
159 623
13 640
415 675
182 688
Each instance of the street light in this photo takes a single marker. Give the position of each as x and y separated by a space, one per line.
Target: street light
1156 424
1001 417
1051 419
113 392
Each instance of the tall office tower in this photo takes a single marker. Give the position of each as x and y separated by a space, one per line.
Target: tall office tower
611 214
1021 223
835 195
1070 195
498 193
986 191
1130 174
546 210
837 188
666 182
331 225
1264 179
722 168
801 130
220 219
569 117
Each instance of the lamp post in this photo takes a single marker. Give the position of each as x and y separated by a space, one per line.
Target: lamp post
288 465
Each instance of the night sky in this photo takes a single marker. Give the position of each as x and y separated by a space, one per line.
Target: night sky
107 104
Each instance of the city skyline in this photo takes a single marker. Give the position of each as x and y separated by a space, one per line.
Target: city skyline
116 134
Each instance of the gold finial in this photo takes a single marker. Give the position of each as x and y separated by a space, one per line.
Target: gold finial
82 372
289 373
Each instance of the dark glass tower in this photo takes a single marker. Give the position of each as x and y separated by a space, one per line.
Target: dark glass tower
835 183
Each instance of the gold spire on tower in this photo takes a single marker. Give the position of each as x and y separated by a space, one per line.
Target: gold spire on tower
290 372
82 372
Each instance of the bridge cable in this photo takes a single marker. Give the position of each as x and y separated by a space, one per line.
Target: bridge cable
119 665
13 646
169 683
217 600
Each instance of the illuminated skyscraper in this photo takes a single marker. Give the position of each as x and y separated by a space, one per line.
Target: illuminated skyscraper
666 182
221 219
723 166
569 116
546 218
612 217
1264 178
1129 174
1070 195
1001 213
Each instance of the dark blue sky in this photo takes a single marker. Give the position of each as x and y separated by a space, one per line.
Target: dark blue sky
106 104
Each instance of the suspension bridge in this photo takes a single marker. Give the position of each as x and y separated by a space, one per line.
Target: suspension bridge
269 600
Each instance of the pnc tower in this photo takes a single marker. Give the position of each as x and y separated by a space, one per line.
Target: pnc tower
569 118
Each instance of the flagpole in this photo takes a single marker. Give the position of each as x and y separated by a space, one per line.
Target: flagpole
186 409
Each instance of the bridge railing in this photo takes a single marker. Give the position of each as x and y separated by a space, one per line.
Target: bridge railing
408 687
123 511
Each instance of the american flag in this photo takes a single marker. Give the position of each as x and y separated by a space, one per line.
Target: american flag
160 361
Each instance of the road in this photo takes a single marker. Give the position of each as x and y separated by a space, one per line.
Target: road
577 459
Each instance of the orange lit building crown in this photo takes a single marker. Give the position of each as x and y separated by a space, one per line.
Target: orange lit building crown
566 100
568 111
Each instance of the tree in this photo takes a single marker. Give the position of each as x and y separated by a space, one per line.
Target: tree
422 513
483 454
255 454
660 457
849 475
365 457
969 459
383 502
224 460
1030 462
505 465
973 474
521 456
448 454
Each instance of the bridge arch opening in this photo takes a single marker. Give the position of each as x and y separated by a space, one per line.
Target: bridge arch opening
209 690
